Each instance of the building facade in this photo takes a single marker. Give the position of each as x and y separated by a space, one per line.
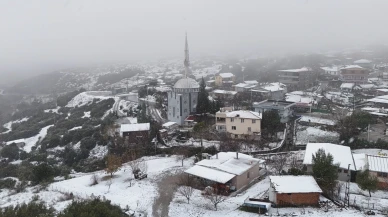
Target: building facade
284 108
298 79
135 133
239 124
354 74
225 80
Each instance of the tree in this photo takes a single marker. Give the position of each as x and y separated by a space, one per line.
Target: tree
185 186
43 173
203 104
10 151
324 171
366 181
279 162
137 166
271 122
113 164
182 153
28 210
92 208
215 198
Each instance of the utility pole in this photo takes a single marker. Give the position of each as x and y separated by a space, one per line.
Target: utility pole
368 131
346 200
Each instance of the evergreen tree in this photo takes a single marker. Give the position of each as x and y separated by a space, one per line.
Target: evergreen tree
92 208
27 210
203 104
271 122
324 171
366 181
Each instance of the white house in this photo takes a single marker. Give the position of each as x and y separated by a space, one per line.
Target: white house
342 155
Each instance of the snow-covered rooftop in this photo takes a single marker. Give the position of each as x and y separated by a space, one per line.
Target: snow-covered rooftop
210 174
226 75
341 154
360 161
186 83
365 61
347 86
351 67
251 82
276 86
303 69
377 163
244 114
294 184
330 69
379 99
225 92
134 127
169 124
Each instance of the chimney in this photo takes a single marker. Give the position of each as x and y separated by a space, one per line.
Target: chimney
236 154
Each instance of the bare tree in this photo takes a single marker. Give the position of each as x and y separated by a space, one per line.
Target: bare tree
279 163
215 198
185 186
182 154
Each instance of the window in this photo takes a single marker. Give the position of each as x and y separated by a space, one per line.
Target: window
242 120
380 174
253 121
248 174
233 127
289 194
345 171
231 119
249 129
340 170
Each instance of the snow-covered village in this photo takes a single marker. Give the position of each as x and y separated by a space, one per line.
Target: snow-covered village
197 131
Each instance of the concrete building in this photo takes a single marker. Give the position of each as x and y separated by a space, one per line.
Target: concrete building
273 91
294 191
298 79
354 74
334 71
223 94
239 124
225 80
342 155
227 170
182 99
283 108
135 133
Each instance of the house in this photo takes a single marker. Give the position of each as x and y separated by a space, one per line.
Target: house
283 108
190 121
382 91
210 83
135 133
303 100
332 71
294 191
223 94
342 155
243 87
298 79
364 63
170 125
347 87
227 170
354 74
225 79
377 165
239 124
274 91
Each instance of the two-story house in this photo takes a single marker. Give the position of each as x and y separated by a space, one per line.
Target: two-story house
239 124
354 74
225 80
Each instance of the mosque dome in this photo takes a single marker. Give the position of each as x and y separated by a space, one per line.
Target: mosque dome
186 83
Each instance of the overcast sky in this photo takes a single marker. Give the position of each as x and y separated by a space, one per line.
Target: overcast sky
46 35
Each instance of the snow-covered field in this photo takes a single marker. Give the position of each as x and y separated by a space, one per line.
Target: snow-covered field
8 125
315 134
140 195
87 97
30 142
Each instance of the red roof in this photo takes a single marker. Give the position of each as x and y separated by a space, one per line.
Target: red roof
190 118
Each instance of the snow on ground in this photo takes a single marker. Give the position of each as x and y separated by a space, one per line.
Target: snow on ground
86 115
317 120
315 134
98 152
9 124
75 128
372 151
195 143
87 97
30 142
52 110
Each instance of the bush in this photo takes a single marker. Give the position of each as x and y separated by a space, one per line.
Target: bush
10 151
92 208
7 183
43 173
27 210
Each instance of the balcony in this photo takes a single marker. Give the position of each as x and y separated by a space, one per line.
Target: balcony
221 120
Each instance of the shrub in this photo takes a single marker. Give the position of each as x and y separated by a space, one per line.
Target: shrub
27 210
7 183
92 208
10 151
43 173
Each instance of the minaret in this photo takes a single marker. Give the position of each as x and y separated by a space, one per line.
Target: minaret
187 60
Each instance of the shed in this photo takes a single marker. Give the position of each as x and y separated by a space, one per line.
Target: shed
294 191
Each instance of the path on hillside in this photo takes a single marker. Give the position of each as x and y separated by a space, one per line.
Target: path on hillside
166 190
